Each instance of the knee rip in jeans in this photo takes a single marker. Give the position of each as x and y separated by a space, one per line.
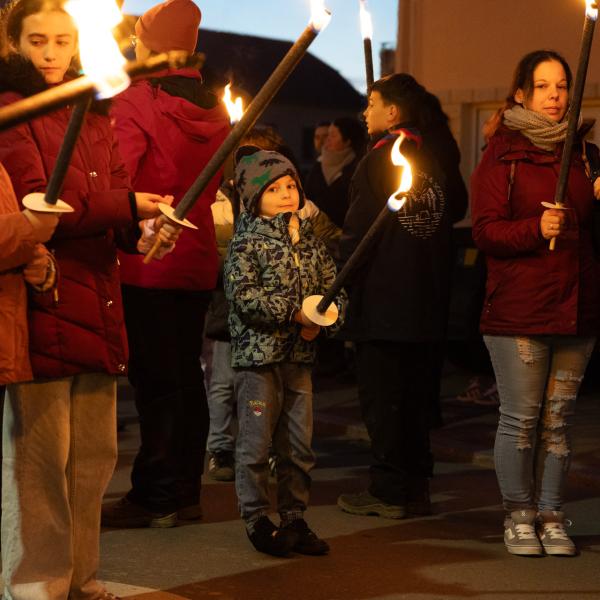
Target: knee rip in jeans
525 348
560 397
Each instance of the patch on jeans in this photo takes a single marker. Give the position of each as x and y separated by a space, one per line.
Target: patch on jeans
257 406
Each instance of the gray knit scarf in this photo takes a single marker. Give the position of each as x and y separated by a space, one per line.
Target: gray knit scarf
334 161
537 127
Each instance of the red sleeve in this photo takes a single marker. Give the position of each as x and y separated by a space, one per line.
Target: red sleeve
493 230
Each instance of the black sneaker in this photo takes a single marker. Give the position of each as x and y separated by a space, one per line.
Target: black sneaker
265 537
221 466
308 542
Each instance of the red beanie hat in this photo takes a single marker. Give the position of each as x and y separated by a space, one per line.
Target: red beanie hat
171 25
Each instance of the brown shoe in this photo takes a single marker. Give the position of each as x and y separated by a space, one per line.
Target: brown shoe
126 514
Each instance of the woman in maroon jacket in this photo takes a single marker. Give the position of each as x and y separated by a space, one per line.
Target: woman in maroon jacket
542 309
59 430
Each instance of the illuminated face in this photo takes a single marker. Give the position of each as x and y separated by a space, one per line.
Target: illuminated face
335 140
550 95
379 115
49 40
280 197
320 136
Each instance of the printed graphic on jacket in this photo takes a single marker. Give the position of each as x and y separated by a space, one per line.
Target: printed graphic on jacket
424 208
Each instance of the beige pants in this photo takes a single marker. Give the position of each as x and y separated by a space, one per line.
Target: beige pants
59 451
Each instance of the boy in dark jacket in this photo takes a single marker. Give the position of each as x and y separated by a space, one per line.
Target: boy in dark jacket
274 262
399 297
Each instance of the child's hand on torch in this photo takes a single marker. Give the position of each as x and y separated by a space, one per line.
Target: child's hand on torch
310 333
147 204
552 223
309 330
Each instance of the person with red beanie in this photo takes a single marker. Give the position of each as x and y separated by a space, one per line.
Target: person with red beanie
168 128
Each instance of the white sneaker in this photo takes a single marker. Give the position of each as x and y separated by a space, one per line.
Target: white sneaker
553 535
519 533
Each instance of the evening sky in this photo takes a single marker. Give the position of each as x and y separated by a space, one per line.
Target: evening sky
340 45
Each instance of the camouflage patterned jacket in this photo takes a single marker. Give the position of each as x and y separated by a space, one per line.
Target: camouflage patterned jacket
266 279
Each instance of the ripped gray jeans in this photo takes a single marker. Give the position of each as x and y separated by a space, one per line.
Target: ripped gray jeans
538 381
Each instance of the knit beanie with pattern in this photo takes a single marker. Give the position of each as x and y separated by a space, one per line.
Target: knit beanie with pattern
255 171
171 25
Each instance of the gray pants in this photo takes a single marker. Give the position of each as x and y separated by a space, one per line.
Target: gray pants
59 451
538 381
221 399
274 407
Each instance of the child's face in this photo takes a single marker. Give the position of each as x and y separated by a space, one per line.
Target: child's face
280 197
49 40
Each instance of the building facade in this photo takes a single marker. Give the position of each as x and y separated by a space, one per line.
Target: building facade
465 52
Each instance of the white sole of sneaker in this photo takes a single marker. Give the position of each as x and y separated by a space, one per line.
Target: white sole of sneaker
525 551
560 551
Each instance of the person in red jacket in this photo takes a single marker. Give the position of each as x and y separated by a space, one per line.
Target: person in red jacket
168 128
541 313
59 430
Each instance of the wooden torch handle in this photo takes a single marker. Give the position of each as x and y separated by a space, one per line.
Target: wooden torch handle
153 251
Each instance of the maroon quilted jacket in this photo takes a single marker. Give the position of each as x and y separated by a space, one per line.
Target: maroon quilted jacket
531 290
82 330
166 141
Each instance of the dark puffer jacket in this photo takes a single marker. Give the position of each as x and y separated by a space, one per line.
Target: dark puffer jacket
82 330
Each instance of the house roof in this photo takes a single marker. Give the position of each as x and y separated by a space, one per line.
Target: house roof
248 61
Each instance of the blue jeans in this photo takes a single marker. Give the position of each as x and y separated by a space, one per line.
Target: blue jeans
538 381
221 399
274 408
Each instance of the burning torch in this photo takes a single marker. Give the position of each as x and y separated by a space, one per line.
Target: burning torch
591 15
320 18
104 66
320 309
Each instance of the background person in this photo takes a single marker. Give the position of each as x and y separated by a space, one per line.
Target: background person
168 128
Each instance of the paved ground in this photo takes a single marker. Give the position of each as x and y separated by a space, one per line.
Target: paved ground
457 553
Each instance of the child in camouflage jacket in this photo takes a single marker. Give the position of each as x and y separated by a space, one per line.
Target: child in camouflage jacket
274 262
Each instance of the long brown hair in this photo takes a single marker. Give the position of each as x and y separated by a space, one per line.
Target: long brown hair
13 15
523 80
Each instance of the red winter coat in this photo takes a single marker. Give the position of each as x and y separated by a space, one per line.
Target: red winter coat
530 289
166 141
82 332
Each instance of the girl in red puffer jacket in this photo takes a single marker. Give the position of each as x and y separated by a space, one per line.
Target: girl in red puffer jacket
59 429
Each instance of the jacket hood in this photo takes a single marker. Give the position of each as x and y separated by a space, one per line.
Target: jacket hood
18 75
256 169
182 98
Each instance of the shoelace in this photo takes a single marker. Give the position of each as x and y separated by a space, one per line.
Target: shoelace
525 531
556 531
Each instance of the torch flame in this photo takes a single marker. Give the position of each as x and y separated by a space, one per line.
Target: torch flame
366 22
235 108
320 15
591 9
101 58
395 202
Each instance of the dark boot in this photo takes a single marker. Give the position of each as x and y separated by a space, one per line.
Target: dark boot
265 537
308 542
